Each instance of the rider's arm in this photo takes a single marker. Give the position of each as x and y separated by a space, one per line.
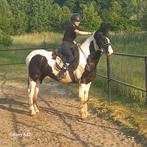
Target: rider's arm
82 32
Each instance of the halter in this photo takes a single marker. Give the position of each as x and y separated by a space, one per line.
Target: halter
105 45
97 48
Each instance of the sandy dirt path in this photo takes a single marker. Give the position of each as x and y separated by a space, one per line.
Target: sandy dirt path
56 125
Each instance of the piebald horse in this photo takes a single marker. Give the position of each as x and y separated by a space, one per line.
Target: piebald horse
40 63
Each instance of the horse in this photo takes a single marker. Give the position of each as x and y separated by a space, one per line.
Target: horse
40 63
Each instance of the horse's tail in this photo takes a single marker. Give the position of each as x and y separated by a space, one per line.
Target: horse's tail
28 80
28 84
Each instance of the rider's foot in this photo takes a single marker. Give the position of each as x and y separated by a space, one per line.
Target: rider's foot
62 71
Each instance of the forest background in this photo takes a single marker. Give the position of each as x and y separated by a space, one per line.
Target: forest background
27 16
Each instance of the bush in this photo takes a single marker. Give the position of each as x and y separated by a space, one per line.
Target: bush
5 39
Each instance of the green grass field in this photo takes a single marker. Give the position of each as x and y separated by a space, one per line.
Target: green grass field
26 43
128 102
127 69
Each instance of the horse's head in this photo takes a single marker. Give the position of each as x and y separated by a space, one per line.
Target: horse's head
101 37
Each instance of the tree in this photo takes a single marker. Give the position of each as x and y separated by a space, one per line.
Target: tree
60 2
91 20
113 16
47 16
20 18
142 14
122 14
70 4
5 17
59 18
5 39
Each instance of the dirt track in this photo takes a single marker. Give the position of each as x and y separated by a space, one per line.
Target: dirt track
56 125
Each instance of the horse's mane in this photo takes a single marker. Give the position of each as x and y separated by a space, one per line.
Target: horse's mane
104 28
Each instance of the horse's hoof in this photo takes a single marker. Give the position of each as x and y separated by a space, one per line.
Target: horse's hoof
83 115
33 113
87 113
36 110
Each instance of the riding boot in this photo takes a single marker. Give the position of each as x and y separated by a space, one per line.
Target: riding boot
62 71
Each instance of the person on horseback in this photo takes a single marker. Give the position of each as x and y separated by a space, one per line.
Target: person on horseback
69 43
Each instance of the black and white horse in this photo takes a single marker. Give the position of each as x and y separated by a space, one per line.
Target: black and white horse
40 63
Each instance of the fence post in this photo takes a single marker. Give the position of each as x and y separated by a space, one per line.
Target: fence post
109 79
146 80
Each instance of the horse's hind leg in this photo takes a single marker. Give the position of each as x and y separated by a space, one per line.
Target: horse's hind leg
36 108
32 87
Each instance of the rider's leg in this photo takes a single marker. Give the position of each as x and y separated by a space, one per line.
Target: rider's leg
67 51
63 70
69 57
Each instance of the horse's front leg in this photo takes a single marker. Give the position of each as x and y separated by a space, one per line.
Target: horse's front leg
36 108
32 86
83 95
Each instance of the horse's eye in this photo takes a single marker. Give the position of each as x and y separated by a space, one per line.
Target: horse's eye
104 45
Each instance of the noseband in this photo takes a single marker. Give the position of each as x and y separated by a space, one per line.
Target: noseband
105 47
102 47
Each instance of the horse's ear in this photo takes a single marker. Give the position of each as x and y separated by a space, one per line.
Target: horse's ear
98 35
105 28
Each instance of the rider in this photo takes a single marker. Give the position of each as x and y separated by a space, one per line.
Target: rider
69 42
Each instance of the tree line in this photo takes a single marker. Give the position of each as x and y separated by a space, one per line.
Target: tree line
25 16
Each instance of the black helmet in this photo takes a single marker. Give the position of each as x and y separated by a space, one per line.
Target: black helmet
75 17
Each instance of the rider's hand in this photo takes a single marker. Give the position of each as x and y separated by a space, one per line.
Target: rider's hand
78 43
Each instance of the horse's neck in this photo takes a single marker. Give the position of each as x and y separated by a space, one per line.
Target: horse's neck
85 46
84 51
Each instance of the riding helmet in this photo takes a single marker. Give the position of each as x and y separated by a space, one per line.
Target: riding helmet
75 17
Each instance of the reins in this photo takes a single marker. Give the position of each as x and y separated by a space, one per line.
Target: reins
97 48
82 52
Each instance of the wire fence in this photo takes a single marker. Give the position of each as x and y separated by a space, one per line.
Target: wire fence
110 78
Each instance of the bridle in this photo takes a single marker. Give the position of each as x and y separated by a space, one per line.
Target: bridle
97 48
102 47
105 45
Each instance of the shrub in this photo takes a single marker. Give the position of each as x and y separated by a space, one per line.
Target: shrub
5 39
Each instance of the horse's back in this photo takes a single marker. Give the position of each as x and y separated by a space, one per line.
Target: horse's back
42 52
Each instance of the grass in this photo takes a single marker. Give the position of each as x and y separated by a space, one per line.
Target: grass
127 106
127 69
134 43
127 114
13 56
26 43
36 40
